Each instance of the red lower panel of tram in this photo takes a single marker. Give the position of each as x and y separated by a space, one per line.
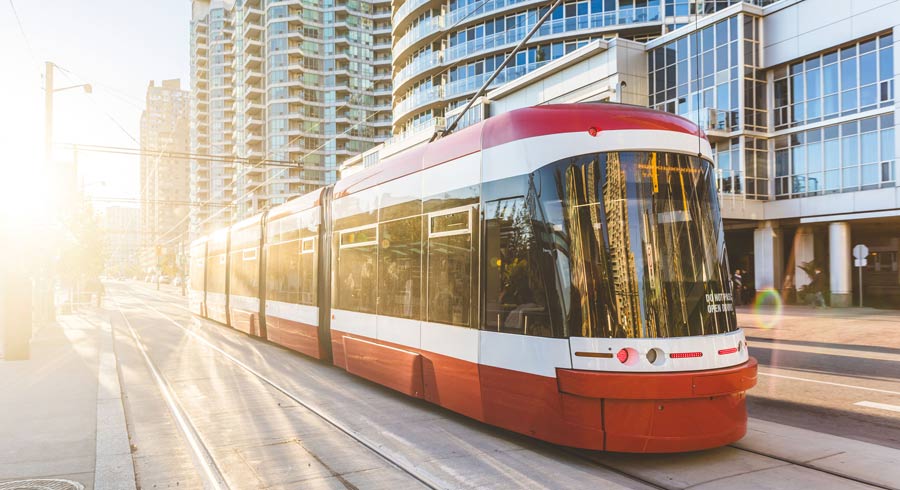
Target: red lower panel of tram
628 412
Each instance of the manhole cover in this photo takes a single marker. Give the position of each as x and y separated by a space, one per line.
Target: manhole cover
41 485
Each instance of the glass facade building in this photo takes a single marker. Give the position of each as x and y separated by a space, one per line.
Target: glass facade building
796 97
444 50
295 81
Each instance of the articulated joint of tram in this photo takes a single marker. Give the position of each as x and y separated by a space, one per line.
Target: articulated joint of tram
660 412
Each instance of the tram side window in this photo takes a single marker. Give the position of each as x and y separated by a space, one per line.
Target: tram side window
449 266
245 272
283 265
356 269
197 262
308 271
215 266
400 268
515 296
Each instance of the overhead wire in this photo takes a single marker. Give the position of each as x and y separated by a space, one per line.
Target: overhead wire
430 38
31 54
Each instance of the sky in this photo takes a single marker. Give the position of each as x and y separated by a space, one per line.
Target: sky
116 46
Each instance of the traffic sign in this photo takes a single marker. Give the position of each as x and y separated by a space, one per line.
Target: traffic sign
860 252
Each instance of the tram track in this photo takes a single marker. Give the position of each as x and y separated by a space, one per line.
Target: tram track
808 466
395 460
434 482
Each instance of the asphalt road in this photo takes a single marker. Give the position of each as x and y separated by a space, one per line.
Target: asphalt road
205 403
831 371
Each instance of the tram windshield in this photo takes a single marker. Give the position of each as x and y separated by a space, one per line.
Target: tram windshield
626 244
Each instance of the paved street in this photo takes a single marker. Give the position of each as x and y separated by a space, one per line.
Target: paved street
209 407
829 370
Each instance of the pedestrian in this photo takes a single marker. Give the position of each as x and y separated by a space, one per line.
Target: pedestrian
817 286
737 288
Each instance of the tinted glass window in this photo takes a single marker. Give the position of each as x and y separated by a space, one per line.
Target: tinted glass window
283 271
515 298
215 267
450 266
291 263
198 267
643 242
245 262
355 270
216 262
400 268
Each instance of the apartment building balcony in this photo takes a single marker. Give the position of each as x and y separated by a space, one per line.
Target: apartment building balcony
419 100
254 109
413 37
251 47
422 65
252 15
553 28
403 13
254 94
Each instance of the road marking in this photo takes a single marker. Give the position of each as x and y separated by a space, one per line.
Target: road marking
876 390
883 406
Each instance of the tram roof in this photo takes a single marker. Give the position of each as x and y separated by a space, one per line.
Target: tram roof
515 125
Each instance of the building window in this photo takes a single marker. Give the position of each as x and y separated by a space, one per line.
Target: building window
697 76
842 82
853 156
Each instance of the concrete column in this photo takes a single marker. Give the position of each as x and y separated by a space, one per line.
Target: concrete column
840 257
767 257
804 251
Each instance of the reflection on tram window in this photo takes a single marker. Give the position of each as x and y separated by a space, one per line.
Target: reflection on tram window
309 266
634 243
400 268
215 267
245 262
291 261
283 261
515 298
355 270
450 261
198 261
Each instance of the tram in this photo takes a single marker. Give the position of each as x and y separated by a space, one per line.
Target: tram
558 271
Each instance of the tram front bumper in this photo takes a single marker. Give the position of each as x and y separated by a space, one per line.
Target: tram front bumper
667 412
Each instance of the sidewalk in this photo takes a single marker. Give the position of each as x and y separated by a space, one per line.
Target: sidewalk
62 411
850 326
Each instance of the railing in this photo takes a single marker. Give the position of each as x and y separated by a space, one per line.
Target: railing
470 84
552 27
418 98
424 28
406 8
428 125
421 63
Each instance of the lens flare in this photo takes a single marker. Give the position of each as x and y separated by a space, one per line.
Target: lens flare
767 308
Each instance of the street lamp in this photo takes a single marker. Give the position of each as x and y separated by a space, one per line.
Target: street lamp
48 108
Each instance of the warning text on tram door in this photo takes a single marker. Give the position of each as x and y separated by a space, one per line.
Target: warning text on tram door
719 302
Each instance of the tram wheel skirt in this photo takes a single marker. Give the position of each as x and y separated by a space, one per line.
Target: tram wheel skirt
668 412
611 411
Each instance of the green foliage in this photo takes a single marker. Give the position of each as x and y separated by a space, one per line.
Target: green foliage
81 256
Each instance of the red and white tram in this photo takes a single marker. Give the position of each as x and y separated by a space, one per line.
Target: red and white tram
558 271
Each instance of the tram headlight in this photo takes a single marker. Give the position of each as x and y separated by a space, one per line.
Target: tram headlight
656 356
622 356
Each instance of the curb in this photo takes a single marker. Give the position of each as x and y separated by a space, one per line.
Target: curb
114 466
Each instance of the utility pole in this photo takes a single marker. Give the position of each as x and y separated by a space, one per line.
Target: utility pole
181 269
16 307
48 114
